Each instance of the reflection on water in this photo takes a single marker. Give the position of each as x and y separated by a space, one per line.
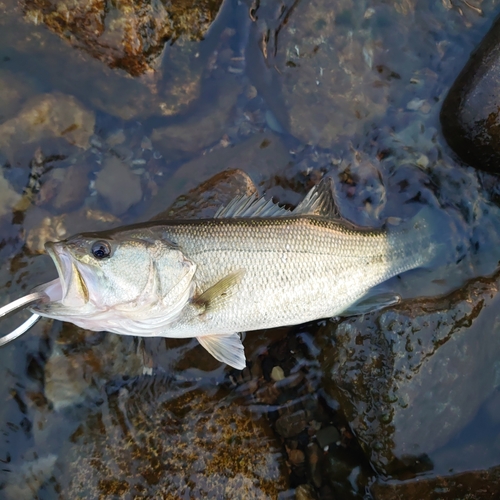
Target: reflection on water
286 92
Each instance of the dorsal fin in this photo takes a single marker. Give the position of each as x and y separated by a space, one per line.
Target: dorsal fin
319 201
251 206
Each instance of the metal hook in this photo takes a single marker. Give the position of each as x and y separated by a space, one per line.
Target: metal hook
17 304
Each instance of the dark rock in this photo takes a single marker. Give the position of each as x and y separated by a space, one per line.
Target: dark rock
344 473
476 485
327 436
291 425
410 378
470 116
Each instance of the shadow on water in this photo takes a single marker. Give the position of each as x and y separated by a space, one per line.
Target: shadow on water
99 131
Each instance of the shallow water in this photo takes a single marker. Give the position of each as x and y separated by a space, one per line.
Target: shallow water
287 93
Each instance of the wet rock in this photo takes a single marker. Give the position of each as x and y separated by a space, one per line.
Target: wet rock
118 185
291 425
208 197
262 154
296 456
305 492
45 116
72 376
470 116
402 374
327 436
477 485
13 92
24 482
202 129
346 476
8 197
314 461
128 35
164 91
189 444
42 226
342 75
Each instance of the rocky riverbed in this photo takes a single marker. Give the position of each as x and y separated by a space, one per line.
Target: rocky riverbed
112 114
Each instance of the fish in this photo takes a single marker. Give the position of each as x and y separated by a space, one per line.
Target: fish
254 265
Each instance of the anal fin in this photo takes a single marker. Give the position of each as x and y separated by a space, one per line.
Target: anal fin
225 348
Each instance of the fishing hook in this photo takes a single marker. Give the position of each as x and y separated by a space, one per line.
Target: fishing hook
17 304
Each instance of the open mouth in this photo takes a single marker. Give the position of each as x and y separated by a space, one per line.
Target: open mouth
70 287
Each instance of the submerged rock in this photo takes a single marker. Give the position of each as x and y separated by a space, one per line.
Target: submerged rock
262 154
470 116
8 197
47 116
153 441
410 378
118 185
201 129
129 35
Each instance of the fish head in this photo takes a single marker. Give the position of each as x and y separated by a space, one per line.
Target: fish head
129 273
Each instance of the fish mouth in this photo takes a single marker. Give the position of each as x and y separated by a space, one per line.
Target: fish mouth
69 288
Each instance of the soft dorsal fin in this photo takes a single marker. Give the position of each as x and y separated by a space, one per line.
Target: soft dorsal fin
319 201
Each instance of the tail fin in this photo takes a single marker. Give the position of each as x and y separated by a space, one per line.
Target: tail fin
432 235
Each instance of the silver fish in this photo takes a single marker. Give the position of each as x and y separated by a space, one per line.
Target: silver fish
254 265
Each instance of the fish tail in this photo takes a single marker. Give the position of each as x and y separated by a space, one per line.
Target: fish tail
430 237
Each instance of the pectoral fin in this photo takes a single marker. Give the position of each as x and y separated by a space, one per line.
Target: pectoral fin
220 291
225 348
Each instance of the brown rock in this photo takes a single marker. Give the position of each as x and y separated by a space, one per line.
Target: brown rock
129 34
48 115
291 425
191 443
296 456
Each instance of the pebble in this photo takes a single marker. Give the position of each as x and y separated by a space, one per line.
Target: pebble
277 373
327 436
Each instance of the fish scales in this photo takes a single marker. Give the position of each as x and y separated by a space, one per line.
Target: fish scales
296 269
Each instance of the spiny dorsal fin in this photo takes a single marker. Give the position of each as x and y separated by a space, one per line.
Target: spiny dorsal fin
251 206
319 201
220 291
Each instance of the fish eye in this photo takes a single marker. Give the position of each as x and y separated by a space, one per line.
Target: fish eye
101 249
